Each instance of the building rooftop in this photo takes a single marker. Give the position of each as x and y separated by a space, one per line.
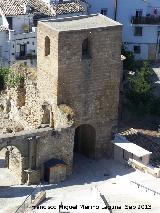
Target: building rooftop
81 22
68 7
143 140
18 7
129 146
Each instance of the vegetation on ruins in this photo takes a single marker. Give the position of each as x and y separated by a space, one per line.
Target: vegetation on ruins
139 92
9 78
14 76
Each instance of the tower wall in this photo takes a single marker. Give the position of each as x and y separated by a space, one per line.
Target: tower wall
89 85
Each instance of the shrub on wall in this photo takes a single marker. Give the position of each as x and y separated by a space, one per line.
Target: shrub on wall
10 78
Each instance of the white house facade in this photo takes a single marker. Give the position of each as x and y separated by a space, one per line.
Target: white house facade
18 21
141 24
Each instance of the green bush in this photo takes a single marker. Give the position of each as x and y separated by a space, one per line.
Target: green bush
139 92
10 78
129 62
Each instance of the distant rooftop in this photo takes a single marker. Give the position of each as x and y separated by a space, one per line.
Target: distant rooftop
81 22
68 7
18 7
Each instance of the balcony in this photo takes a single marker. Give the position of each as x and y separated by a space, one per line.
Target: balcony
25 57
151 20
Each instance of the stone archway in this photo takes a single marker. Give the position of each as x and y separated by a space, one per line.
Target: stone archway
12 161
85 140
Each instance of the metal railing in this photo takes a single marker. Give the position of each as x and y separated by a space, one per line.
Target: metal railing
146 188
146 20
28 200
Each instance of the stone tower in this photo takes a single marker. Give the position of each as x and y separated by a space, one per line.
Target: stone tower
79 65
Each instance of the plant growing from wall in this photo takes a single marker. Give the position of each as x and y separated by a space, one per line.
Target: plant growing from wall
9 78
14 79
3 77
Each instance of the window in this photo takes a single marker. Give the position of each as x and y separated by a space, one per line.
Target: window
104 11
139 13
10 22
85 49
23 49
138 31
47 46
123 154
137 49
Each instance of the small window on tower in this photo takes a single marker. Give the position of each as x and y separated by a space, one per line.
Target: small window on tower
47 46
85 49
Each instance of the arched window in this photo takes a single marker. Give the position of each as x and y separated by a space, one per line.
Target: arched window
85 48
47 46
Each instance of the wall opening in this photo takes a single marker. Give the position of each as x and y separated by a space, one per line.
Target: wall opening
85 140
11 165
47 114
47 46
86 49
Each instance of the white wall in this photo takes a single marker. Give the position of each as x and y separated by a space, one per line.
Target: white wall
4 47
125 10
30 39
19 21
97 5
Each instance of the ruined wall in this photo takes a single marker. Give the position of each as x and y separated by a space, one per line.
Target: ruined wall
21 108
15 164
36 147
55 144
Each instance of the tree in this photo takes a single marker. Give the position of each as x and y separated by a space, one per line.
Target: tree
129 62
139 92
10 78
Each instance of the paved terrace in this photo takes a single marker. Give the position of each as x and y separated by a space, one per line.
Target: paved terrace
89 179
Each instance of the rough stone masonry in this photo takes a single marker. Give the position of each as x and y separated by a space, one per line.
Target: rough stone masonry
78 79
82 70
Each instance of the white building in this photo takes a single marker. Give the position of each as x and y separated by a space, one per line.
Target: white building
18 21
141 23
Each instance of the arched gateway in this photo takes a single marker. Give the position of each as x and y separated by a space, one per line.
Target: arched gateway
12 143
85 140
